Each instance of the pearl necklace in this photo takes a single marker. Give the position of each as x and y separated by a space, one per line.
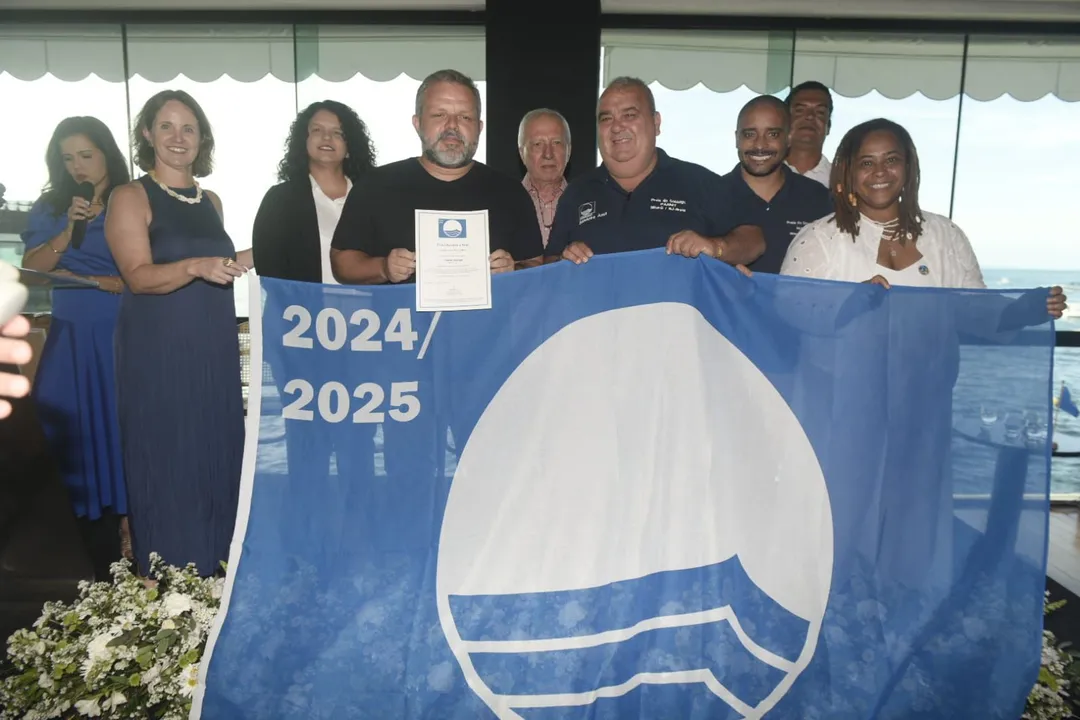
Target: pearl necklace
178 196
890 233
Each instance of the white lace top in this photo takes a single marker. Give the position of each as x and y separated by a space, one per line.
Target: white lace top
821 250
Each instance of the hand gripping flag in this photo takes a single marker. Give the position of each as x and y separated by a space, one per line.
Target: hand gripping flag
645 487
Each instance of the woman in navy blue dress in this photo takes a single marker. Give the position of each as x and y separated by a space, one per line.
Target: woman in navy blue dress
177 349
74 389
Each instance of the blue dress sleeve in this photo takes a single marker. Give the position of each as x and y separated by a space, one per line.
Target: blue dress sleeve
42 225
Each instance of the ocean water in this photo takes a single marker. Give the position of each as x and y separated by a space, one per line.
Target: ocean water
1065 473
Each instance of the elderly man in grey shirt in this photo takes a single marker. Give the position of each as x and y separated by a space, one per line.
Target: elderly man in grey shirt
544 144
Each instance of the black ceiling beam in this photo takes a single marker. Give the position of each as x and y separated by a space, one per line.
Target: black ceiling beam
613 21
256 17
609 21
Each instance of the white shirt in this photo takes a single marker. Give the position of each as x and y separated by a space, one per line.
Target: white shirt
328 211
923 330
819 172
821 250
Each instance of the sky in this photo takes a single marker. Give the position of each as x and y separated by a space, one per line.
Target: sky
1016 205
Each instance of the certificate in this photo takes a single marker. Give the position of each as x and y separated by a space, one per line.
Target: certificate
453 269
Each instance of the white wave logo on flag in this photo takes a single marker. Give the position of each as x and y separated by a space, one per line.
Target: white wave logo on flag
669 525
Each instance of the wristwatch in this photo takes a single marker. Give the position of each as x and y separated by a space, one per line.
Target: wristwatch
719 249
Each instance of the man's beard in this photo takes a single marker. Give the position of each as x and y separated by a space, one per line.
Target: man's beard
449 159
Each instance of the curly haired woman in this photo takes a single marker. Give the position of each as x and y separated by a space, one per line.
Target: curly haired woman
327 150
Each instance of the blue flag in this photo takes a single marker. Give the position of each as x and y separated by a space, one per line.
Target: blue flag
645 487
1066 403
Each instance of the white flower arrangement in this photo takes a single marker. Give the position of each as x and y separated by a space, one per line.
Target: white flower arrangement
121 650
1050 698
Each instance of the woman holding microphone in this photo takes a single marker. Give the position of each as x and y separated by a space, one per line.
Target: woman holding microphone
75 388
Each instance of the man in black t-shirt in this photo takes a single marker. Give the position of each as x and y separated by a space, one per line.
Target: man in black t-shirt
375 239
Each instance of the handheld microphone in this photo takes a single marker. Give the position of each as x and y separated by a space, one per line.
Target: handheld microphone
78 231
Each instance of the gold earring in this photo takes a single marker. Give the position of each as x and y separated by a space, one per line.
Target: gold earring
852 199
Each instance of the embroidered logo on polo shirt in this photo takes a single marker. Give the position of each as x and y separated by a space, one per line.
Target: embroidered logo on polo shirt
667 204
586 212
795 226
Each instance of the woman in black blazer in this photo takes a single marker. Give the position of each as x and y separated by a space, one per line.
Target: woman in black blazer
328 149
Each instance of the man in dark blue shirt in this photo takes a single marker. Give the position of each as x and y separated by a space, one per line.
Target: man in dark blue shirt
641 198
778 199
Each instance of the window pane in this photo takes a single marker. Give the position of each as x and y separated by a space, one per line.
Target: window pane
700 81
377 71
1065 472
1015 204
242 76
1017 92
48 73
910 79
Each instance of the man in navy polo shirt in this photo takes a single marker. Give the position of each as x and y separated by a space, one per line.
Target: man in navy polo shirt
641 198
779 199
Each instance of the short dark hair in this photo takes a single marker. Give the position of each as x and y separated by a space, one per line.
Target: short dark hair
810 85
770 100
625 82
61 186
144 149
446 76
360 152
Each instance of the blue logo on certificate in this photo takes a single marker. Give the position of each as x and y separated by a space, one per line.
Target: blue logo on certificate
451 227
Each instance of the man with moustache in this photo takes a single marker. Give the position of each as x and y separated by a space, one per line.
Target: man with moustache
782 200
642 198
544 144
810 104
375 239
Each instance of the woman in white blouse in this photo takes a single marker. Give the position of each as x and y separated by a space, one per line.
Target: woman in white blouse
878 233
886 370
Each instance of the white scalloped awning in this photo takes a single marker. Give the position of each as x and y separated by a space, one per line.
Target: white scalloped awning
385 53
29 52
247 53
682 60
897 66
204 53
1025 68
853 65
